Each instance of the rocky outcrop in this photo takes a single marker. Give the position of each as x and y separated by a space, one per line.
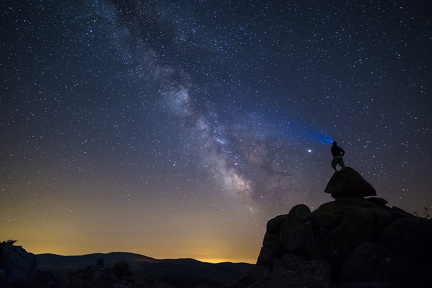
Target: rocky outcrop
348 182
17 266
349 242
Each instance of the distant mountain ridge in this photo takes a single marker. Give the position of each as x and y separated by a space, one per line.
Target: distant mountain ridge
184 272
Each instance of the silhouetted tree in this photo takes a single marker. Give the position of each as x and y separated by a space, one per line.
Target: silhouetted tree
8 242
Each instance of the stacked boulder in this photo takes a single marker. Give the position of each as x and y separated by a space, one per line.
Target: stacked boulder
349 183
349 242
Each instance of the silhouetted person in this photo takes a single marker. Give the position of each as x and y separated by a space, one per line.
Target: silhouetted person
338 154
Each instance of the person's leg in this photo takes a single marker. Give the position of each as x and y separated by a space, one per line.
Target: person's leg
341 162
334 163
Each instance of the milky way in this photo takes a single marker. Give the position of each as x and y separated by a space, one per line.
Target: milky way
239 157
178 128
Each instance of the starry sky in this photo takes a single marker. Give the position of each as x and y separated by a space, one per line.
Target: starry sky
179 128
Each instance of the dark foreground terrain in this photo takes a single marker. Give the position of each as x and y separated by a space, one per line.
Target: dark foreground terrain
116 269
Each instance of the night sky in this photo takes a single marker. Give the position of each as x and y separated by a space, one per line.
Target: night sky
179 128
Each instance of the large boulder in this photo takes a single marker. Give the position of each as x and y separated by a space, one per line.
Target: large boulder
274 225
373 262
410 237
348 182
296 233
358 226
272 242
17 265
313 274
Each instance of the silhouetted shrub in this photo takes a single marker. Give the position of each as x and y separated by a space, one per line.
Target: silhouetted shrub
8 242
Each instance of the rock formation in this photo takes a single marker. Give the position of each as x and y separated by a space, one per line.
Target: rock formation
349 242
17 266
348 182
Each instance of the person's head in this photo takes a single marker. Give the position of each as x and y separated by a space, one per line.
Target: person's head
334 143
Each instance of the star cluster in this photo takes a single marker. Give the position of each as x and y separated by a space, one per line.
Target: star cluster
178 128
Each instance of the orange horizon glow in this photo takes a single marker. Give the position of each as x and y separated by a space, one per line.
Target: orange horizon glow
72 239
250 259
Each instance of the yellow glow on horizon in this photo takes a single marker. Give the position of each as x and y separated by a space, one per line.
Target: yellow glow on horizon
59 250
222 260
205 251
68 229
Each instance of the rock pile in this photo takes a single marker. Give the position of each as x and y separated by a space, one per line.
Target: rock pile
349 242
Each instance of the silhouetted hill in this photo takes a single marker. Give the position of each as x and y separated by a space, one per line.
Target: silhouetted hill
176 272
221 272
